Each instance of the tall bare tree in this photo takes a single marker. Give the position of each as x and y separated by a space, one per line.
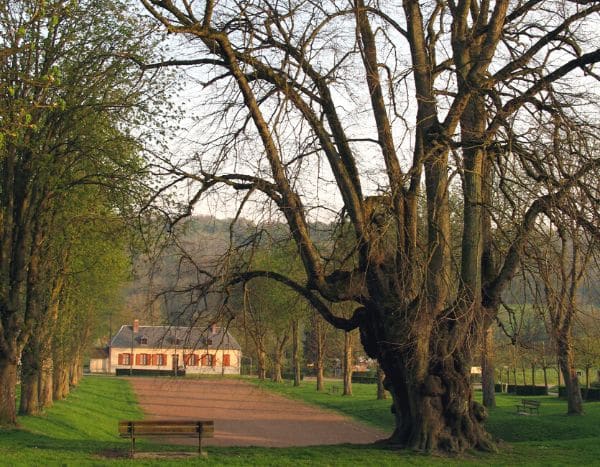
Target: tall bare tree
380 100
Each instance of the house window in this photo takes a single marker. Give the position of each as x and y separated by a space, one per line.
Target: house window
177 341
142 359
144 340
159 359
190 359
124 359
208 360
226 360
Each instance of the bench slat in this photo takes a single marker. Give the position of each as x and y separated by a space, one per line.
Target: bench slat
166 428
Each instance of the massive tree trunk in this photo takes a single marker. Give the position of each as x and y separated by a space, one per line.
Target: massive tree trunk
347 364
432 395
487 369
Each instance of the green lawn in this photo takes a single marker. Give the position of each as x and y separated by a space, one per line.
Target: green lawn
82 431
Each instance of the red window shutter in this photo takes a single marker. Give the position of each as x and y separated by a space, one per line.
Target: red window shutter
137 359
204 360
214 360
120 359
226 360
164 359
155 359
186 359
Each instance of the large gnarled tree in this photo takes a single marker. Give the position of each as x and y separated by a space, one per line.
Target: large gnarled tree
409 101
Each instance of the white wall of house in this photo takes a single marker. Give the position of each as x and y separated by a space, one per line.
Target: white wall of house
200 364
98 365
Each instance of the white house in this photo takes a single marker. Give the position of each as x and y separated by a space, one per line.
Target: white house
172 349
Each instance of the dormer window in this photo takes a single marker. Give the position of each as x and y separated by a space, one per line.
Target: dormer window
209 341
144 340
177 341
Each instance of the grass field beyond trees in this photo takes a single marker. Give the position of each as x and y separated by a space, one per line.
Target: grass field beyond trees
83 431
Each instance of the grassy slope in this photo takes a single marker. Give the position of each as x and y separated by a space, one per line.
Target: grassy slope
79 430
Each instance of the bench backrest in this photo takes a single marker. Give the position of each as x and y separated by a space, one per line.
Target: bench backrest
205 428
531 403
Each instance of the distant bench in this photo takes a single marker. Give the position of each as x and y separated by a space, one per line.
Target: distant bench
528 406
167 428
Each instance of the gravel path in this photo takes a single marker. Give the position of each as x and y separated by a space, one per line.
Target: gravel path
246 415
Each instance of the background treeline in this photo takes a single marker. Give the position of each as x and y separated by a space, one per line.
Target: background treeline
281 335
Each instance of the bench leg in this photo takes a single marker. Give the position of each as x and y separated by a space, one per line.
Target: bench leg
200 451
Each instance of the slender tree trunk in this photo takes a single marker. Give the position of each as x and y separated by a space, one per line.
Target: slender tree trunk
8 394
524 375
76 370
347 364
566 360
296 351
30 377
533 374
487 369
558 372
276 375
60 382
545 369
261 364
319 364
45 384
381 393
278 360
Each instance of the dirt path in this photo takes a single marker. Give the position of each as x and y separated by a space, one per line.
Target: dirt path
246 415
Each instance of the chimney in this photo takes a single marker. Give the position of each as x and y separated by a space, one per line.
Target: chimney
136 326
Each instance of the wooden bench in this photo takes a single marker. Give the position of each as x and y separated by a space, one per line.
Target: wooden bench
167 428
528 406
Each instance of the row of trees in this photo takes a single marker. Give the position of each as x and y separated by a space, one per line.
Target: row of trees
71 110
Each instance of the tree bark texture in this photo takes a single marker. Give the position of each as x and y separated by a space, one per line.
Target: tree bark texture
60 383
30 378
45 384
566 361
487 369
381 393
8 395
320 353
261 364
